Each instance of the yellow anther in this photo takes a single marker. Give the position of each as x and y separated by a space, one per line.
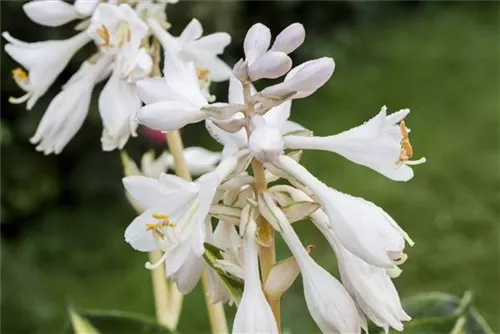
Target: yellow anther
104 33
406 151
160 216
202 72
19 74
172 224
151 226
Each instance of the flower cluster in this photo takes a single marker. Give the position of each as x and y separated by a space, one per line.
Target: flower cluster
238 211
127 35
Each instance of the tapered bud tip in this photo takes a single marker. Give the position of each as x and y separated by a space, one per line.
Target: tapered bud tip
290 38
271 65
256 42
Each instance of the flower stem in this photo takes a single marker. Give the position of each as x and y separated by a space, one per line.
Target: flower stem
168 300
267 254
216 314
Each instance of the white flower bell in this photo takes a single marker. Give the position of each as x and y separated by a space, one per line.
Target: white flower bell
67 111
380 144
44 61
254 314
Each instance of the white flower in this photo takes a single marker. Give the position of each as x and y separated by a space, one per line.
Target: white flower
265 142
192 47
174 220
263 63
380 144
362 227
177 100
370 286
53 13
67 111
198 160
112 27
329 304
300 82
226 238
276 117
254 314
118 105
44 61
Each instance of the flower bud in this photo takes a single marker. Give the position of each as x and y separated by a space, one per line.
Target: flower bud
304 79
271 65
50 13
265 142
256 42
290 38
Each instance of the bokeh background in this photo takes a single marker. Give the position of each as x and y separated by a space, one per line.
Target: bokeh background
63 217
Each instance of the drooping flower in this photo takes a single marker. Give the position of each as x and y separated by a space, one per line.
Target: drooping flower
380 144
67 111
254 314
362 227
44 61
329 304
190 46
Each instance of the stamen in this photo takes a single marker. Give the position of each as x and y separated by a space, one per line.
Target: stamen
401 260
160 216
202 72
406 151
152 266
21 99
415 162
104 33
19 74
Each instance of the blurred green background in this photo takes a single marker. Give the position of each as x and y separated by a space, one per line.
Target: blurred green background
63 217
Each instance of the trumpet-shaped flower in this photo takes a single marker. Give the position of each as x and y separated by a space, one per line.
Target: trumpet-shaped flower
254 314
177 100
44 61
380 144
174 219
329 304
54 13
67 111
362 227
192 47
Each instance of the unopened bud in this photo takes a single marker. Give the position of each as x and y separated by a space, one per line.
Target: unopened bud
271 65
290 38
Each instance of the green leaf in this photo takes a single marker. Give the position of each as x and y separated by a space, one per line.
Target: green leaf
438 313
80 325
233 283
113 321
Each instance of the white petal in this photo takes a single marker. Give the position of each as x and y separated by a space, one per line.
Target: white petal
118 105
254 314
265 142
193 31
270 65
50 13
169 115
188 275
200 160
137 234
212 44
153 90
279 115
86 7
290 38
351 218
256 42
